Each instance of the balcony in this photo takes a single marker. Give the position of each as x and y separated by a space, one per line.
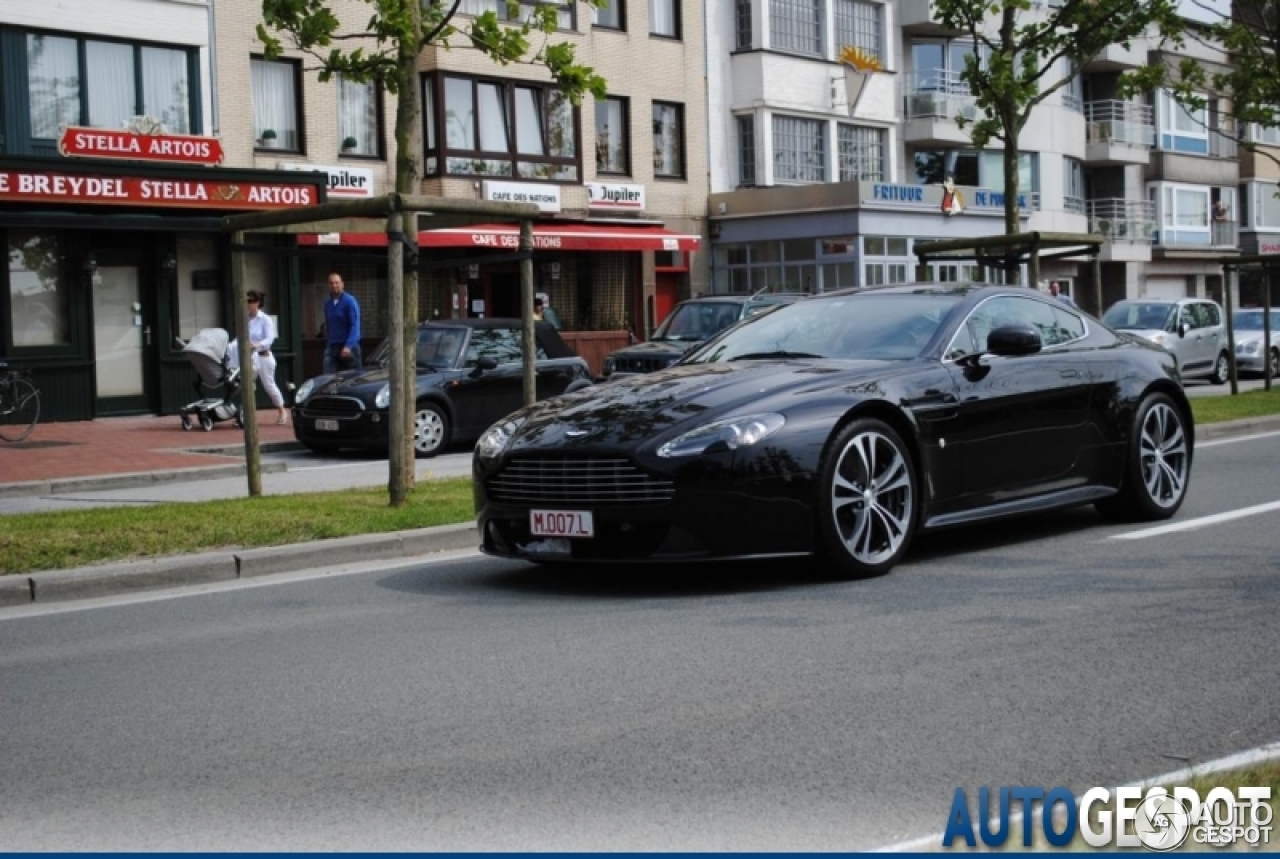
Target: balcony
1118 133
1127 225
1220 236
932 101
915 17
1118 58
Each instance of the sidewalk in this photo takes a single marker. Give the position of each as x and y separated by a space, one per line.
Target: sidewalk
130 451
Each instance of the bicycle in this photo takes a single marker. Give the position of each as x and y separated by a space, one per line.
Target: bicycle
19 403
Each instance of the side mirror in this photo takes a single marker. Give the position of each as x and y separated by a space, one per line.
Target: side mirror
483 364
1183 328
1011 340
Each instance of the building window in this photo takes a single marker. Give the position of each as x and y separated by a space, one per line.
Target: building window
861 153
1073 92
664 18
885 260
119 80
1073 185
276 116
501 128
746 151
668 140
796 26
779 266
1266 205
799 150
937 66
359 118
37 293
611 16
1184 213
565 16
1266 135
1182 129
976 169
859 23
742 24
613 135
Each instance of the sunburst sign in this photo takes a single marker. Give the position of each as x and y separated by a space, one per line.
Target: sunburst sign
858 67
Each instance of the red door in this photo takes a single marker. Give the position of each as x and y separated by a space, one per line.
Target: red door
666 294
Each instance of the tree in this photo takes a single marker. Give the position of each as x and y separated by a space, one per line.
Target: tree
386 50
1021 57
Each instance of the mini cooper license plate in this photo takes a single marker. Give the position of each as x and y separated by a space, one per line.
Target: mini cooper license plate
326 425
561 523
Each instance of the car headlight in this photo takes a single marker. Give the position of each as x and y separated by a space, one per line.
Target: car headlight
304 391
1159 339
727 434
383 398
496 438
1250 348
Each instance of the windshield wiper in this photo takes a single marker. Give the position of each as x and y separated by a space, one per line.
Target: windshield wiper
758 356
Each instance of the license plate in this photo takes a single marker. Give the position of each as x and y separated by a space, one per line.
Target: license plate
561 523
326 425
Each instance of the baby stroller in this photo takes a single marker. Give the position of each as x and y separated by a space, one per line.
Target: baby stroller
207 352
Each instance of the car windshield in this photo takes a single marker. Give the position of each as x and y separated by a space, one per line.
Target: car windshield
896 326
698 320
438 347
1251 320
1140 315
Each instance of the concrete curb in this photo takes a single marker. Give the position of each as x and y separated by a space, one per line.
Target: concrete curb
1244 426
136 479
132 576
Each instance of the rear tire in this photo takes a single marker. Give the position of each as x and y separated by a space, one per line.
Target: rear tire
1157 465
430 430
206 422
1275 363
19 410
867 509
186 423
1221 370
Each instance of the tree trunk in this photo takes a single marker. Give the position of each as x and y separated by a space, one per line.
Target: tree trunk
403 302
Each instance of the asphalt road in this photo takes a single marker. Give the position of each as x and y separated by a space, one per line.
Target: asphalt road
473 704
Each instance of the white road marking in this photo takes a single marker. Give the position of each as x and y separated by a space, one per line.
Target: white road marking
1199 445
1202 522
1240 760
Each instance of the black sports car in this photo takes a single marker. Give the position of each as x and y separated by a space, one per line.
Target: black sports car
840 425
470 374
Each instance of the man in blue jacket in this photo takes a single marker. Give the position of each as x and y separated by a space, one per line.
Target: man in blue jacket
342 328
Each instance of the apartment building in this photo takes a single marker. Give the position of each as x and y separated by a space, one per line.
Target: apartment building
821 179
115 255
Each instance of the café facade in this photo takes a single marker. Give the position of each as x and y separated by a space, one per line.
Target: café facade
116 255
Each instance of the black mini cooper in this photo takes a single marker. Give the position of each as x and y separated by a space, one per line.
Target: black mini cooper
470 375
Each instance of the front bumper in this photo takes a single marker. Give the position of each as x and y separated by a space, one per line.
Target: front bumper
366 429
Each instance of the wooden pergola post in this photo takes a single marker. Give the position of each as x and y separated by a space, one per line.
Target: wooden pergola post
248 379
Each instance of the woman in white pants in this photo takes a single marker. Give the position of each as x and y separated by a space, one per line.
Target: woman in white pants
262 334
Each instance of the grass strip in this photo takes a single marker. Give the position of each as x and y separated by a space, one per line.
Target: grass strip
1250 404
73 538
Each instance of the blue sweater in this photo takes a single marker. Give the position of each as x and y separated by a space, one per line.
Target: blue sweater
342 321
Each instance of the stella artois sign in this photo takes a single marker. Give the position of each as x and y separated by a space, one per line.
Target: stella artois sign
135 145
53 187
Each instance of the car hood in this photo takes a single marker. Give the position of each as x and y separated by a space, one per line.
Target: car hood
656 349
1144 333
1252 336
650 407
360 382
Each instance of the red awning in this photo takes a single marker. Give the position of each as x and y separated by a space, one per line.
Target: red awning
562 237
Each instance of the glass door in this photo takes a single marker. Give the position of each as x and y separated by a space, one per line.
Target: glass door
122 336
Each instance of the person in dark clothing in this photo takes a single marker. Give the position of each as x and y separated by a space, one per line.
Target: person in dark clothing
342 328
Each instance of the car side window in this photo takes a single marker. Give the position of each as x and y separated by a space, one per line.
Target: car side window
1187 317
1211 315
985 318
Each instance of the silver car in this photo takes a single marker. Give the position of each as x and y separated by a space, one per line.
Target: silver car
1190 328
1247 325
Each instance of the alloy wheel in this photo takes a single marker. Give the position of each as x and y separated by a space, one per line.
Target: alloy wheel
1162 450
428 430
871 497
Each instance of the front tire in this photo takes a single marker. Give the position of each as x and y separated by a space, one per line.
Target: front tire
1221 370
206 422
867 507
430 430
1275 363
1157 467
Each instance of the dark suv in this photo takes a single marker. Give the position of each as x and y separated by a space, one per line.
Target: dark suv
692 322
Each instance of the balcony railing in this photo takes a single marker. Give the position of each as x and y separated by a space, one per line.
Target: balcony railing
1226 234
937 93
1122 220
1119 122
1221 234
1222 144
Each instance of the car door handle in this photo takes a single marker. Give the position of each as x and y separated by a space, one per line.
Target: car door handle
1069 374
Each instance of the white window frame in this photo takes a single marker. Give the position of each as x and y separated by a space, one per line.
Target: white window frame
851 27
1176 123
1168 196
806 30
853 167
804 167
1258 192
1073 185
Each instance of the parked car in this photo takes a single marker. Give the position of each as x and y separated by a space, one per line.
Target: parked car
690 323
470 374
1190 328
839 426
1247 325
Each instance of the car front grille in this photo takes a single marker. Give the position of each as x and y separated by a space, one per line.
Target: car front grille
335 406
577 481
641 365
